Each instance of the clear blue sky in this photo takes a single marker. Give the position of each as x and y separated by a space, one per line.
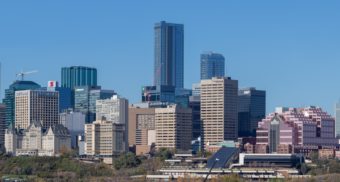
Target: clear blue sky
289 48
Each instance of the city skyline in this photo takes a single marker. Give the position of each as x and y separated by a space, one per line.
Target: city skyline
291 56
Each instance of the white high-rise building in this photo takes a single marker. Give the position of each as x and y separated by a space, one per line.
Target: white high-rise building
36 105
219 110
114 109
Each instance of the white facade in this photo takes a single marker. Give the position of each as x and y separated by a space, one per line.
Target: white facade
36 141
36 105
74 122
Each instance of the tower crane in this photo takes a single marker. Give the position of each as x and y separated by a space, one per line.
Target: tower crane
22 73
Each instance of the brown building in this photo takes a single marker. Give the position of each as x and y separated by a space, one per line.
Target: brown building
141 129
173 128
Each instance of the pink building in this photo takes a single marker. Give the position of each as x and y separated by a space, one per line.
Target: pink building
300 128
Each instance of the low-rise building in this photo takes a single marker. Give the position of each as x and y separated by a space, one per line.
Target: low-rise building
302 128
37 141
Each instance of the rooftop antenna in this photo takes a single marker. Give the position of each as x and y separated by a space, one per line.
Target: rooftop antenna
22 74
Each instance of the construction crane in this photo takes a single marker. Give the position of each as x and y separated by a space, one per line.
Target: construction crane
22 74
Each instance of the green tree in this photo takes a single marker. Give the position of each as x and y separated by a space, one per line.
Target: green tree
127 160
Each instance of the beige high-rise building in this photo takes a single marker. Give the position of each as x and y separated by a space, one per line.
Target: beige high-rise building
2 126
36 105
105 139
173 127
142 129
219 110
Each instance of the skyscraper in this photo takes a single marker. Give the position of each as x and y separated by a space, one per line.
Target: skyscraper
169 54
36 105
78 76
9 99
219 110
337 120
251 110
212 65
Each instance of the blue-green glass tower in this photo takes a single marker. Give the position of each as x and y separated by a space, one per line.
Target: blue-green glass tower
76 76
9 99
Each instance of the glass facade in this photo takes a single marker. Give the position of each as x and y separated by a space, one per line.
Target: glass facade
78 76
9 99
251 110
85 100
161 94
212 65
169 54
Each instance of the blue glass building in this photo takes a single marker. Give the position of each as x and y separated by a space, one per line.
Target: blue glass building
65 95
212 65
169 54
75 76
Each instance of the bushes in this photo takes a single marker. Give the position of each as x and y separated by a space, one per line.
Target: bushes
127 160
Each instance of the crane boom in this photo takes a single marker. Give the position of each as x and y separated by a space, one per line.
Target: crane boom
22 74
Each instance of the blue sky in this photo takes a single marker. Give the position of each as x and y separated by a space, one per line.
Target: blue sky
289 48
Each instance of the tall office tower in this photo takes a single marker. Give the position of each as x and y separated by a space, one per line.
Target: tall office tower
85 99
76 76
114 109
251 110
337 120
219 110
105 139
65 95
36 105
212 65
169 54
195 105
142 133
74 122
9 99
2 125
173 128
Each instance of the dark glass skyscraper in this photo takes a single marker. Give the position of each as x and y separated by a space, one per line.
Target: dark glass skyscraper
169 54
212 65
251 110
9 99
75 76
